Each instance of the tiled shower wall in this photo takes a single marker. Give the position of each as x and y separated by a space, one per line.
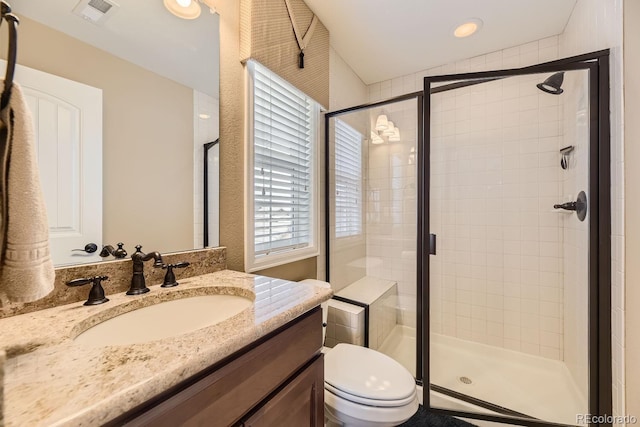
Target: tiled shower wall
391 205
504 327
494 180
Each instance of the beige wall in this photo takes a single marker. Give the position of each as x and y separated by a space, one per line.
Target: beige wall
231 135
232 145
632 203
147 143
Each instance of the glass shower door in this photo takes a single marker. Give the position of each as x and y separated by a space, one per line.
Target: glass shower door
372 211
512 286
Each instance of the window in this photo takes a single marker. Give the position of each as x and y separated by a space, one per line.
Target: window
282 135
348 180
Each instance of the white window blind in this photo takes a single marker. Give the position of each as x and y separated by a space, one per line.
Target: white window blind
283 136
348 180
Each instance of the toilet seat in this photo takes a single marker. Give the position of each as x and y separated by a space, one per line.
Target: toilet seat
367 377
368 402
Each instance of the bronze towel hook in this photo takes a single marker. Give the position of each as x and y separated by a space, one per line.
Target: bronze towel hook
12 21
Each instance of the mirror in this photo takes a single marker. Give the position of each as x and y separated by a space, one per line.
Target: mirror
156 78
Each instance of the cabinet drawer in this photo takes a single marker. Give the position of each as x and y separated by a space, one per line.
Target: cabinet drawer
224 396
299 403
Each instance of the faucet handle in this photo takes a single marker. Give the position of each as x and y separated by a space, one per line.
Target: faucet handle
170 277
106 251
120 252
96 294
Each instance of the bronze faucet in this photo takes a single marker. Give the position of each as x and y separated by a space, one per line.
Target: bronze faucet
117 253
137 281
96 294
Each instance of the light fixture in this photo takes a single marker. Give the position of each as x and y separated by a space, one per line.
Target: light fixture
188 9
185 9
389 130
376 139
384 130
396 135
204 116
382 122
468 28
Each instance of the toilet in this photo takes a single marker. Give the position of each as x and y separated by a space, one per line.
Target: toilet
363 387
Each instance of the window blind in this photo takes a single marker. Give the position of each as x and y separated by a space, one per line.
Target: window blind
282 164
348 180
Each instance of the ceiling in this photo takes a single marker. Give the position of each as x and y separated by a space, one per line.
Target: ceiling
383 39
379 39
145 33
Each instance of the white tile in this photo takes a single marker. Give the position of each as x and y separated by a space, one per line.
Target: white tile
495 329
526 291
530 336
510 52
548 42
550 353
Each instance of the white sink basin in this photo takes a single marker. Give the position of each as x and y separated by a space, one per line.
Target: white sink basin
163 320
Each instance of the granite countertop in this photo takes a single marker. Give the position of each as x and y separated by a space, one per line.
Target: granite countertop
50 380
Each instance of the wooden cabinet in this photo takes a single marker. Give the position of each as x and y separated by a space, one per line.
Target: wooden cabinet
299 403
276 381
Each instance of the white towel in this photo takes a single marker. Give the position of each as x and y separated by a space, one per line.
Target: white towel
26 269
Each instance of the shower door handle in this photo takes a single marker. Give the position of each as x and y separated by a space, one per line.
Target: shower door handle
432 244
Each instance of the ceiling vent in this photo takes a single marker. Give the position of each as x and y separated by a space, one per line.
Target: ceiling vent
95 11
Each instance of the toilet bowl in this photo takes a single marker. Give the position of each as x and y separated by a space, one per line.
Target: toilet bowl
364 387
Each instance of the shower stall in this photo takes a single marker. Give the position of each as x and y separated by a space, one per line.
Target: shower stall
470 224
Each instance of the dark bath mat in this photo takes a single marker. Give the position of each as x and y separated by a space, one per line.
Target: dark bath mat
423 418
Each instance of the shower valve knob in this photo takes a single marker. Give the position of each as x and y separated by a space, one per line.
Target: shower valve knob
579 206
569 206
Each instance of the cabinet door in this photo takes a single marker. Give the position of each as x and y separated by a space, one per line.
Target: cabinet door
226 395
300 403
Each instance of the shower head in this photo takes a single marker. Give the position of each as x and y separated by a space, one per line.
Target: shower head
552 84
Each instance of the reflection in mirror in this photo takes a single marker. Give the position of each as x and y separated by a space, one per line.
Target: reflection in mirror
211 192
122 109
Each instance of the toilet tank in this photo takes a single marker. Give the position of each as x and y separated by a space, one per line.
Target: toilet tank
324 305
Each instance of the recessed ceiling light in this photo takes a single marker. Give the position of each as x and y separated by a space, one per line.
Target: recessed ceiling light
469 27
185 9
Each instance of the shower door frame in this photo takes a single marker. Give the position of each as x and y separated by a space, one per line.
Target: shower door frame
599 300
419 97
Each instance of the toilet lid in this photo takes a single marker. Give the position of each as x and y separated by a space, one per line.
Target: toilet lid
367 374
368 402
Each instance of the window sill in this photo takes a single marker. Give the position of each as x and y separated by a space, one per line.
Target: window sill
268 261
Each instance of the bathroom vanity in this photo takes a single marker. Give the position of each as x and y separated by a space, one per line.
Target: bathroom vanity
275 381
262 366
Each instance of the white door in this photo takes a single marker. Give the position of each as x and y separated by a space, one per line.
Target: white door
67 119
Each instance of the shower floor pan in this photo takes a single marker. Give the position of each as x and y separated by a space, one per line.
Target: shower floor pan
539 387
